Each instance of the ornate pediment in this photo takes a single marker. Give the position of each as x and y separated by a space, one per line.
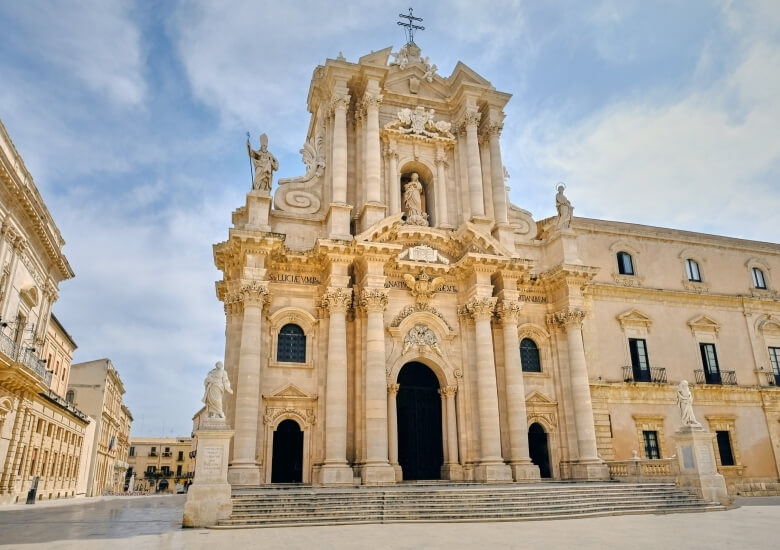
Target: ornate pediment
704 323
290 391
634 318
538 398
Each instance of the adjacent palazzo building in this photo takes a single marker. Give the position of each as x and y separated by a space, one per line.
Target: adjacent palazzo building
390 315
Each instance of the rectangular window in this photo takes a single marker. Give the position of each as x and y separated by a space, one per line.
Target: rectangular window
150 469
166 470
181 456
692 269
178 470
774 358
639 361
758 278
132 451
651 444
724 448
625 265
710 363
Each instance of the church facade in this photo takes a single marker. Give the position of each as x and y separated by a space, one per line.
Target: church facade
390 315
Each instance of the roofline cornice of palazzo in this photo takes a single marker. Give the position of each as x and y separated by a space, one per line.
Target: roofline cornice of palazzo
601 289
581 275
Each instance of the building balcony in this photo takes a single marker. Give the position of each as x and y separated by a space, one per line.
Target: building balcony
167 455
152 453
656 375
721 378
25 357
769 378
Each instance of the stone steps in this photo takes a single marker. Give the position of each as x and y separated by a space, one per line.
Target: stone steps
449 502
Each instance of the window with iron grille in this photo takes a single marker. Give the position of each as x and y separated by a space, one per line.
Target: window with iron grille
291 345
529 356
724 448
639 362
692 269
651 444
709 360
625 263
774 358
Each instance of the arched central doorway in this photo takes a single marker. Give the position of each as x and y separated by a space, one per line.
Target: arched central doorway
419 423
539 449
287 462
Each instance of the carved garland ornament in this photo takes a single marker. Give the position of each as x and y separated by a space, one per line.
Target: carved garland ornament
421 336
306 415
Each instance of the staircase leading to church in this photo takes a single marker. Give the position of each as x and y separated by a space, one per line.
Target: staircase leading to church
448 502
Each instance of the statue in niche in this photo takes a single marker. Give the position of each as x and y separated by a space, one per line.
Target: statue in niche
264 163
685 403
564 207
413 201
216 384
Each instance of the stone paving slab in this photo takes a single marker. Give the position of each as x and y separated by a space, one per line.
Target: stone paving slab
153 523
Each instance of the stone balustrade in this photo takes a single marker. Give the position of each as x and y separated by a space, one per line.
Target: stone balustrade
643 469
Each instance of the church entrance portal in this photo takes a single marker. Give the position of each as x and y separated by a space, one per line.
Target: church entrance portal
287 462
539 449
419 423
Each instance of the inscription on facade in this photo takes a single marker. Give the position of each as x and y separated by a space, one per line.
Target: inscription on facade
705 456
452 289
532 299
687 453
294 279
211 461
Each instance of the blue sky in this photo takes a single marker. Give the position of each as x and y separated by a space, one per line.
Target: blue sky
132 116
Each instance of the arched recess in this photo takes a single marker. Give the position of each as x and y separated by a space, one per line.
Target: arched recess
542 410
542 340
302 318
287 451
425 172
289 403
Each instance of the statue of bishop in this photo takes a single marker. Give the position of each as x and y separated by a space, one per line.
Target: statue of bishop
265 164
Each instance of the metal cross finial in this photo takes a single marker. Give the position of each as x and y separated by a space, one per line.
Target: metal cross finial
410 27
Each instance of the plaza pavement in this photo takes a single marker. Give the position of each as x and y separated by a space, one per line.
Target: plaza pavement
154 522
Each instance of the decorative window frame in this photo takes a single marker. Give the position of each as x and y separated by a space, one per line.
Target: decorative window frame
653 423
634 324
768 329
626 280
303 319
766 270
694 286
726 422
542 340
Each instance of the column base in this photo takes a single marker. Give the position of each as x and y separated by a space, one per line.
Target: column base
207 503
258 206
399 473
492 472
525 471
453 472
245 474
589 471
335 474
338 222
372 213
377 474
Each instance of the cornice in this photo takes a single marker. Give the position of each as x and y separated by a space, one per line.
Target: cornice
680 296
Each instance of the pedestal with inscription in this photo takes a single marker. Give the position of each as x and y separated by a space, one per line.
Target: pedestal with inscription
208 499
698 471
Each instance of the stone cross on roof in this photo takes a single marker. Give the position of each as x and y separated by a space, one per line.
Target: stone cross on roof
410 26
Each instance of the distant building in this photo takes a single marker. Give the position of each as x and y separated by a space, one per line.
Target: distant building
153 459
41 434
96 388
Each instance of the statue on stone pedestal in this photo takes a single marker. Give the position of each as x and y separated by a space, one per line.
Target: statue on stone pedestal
264 162
685 402
564 207
216 383
413 202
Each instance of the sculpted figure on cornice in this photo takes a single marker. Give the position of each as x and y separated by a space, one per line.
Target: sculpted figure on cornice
264 163
302 194
423 287
564 207
420 121
413 202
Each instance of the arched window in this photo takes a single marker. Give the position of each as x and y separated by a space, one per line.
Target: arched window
625 264
758 278
291 346
692 269
529 356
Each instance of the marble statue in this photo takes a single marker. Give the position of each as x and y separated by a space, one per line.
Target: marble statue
564 208
265 164
413 202
216 384
685 402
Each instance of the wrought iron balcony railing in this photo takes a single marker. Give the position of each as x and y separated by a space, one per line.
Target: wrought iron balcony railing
653 374
24 356
769 378
724 377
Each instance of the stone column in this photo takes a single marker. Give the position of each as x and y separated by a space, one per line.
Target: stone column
487 189
377 469
470 121
340 104
589 465
393 181
444 434
335 470
497 174
233 316
452 424
491 466
441 188
11 466
244 469
392 422
519 458
371 103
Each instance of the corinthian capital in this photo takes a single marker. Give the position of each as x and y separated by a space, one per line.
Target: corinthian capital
339 102
470 118
392 389
448 391
374 299
337 300
372 101
481 308
569 316
494 129
254 293
509 311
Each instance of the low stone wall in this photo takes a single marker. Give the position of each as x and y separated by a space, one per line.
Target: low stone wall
757 488
663 469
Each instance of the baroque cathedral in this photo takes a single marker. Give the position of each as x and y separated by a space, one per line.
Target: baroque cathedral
391 315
